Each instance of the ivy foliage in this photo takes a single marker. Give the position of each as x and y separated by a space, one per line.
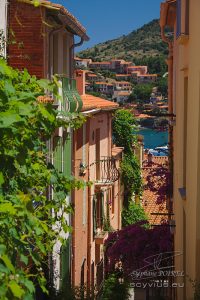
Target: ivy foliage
124 134
134 214
28 227
124 126
112 289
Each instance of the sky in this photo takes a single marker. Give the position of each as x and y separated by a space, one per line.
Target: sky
108 19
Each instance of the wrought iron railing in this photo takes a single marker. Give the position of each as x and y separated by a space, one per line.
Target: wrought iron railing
71 100
106 170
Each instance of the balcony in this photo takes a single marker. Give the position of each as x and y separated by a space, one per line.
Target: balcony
100 237
106 171
71 100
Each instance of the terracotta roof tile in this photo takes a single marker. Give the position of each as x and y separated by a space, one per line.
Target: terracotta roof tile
150 199
92 102
45 99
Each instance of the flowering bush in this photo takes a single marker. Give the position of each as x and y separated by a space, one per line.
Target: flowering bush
136 247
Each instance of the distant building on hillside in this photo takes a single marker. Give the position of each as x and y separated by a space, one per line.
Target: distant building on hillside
121 96
82 62
104 65
123 85
122 76
147 78
141 69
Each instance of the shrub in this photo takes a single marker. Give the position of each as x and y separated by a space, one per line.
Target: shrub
133 214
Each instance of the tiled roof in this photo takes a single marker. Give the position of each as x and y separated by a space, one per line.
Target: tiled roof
143 116
123 82
101 82
150 198
92 102
70 20
92 75
148 75
101 63
134 67
45 99
123 93
122 75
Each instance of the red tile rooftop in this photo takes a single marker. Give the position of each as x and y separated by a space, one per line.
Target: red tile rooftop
134 67
101 82
123 82
123 93
92 75
150 198
101 63
143 116
122 75
92 102
148 75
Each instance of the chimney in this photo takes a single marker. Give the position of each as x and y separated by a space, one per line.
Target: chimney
80 81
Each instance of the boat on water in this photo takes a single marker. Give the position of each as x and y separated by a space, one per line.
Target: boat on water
160 151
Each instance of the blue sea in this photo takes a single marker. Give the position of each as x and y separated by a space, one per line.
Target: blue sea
154 138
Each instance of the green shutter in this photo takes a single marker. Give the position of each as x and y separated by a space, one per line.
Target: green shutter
65 264
58 154
67 156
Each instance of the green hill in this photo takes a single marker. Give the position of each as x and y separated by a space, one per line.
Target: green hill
141 46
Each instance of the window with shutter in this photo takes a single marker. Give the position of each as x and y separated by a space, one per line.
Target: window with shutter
182 18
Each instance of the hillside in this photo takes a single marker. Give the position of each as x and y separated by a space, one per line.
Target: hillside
139 46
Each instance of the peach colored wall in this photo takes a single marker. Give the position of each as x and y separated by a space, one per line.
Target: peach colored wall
187 211
80 218
100 121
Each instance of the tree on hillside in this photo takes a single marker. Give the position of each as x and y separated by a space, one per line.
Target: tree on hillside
156 64
141 92
162 85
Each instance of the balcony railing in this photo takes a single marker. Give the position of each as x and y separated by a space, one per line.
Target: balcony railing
71 100
106 171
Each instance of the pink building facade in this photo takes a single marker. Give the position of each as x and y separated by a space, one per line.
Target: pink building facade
98 206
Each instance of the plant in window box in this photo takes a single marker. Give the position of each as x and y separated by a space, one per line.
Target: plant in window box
82 169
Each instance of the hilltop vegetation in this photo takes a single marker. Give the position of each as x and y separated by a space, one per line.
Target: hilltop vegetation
141 46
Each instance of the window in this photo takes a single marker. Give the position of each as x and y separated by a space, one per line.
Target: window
113 199
182 18
97 142
98 212
178 18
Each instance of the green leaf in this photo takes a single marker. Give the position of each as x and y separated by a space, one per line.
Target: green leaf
7 208
8 263
29 285
8 118
9 87
24 259
16 290
1 179
2 249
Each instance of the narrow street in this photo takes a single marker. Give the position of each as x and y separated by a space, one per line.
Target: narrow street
99 150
